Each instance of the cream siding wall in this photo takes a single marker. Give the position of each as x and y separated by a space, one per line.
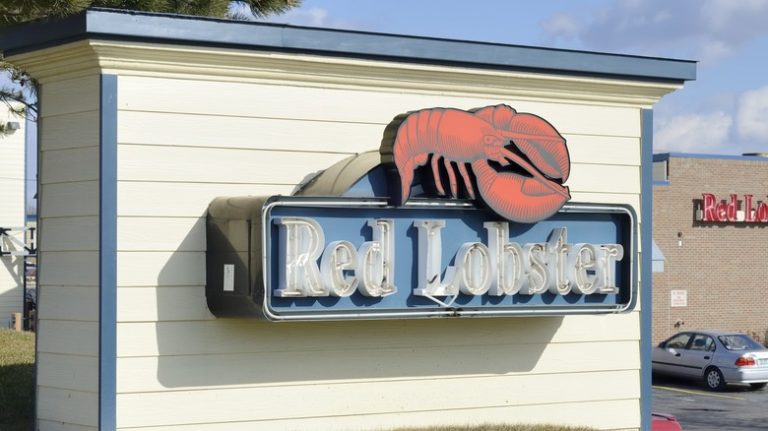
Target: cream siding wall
185 141
67 349
196 123
11 215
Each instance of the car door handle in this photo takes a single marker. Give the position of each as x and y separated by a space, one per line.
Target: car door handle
706 357
677 355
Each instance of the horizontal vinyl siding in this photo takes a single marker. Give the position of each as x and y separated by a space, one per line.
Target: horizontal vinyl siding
12 173
12 162
168 303
11 215
68 343
75 303
58 267
69 165
69 96
184 142
76 233
161 268
70 199
66 406
67 131
576 413
73 337
196 130
212 165
223 336
240 166
49 425
152 199
67 371
378 364
280 402
212 98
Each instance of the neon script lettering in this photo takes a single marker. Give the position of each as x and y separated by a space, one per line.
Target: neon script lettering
714 210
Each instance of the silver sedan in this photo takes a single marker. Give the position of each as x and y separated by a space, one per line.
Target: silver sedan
716 357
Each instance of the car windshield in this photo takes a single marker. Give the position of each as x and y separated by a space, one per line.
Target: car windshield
739 342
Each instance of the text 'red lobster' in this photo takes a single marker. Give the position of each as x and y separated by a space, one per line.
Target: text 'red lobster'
519 160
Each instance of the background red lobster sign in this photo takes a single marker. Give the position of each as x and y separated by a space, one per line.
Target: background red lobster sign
516 163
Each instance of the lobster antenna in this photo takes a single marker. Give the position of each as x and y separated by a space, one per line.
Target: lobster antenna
519 135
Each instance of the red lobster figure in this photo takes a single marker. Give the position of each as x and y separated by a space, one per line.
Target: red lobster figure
519 160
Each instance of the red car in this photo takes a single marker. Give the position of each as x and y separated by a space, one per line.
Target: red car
662 422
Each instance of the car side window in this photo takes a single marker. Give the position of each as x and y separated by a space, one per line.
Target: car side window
679 341
703 343
739 342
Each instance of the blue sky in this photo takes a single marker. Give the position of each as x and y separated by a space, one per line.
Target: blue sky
722 112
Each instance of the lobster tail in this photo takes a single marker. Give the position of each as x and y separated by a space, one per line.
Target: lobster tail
408 141
406 179
407 151
392 152
386 149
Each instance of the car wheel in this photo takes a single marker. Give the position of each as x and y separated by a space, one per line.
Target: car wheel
757 386
714 379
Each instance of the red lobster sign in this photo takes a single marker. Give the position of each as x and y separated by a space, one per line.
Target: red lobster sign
515 162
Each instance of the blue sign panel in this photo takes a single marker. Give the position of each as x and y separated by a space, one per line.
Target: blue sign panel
353 258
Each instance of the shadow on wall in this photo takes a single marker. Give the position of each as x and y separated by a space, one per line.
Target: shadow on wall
213 351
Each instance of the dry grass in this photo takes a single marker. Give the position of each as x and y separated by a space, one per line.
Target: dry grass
492 427
17 380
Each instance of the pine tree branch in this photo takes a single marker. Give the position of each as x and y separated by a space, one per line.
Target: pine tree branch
24 90
264 8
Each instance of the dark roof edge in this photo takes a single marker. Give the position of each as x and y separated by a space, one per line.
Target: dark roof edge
661 157
179 29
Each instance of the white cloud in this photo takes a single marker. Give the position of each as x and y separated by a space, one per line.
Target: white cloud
734 20
752 113
562 25
705 29
713 51
697 133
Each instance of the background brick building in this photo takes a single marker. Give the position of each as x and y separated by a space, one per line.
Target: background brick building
718 269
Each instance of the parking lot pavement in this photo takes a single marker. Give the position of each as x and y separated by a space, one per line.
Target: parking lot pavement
738 408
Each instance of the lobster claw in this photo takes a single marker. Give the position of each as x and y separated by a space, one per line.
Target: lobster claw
533 136
517 197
